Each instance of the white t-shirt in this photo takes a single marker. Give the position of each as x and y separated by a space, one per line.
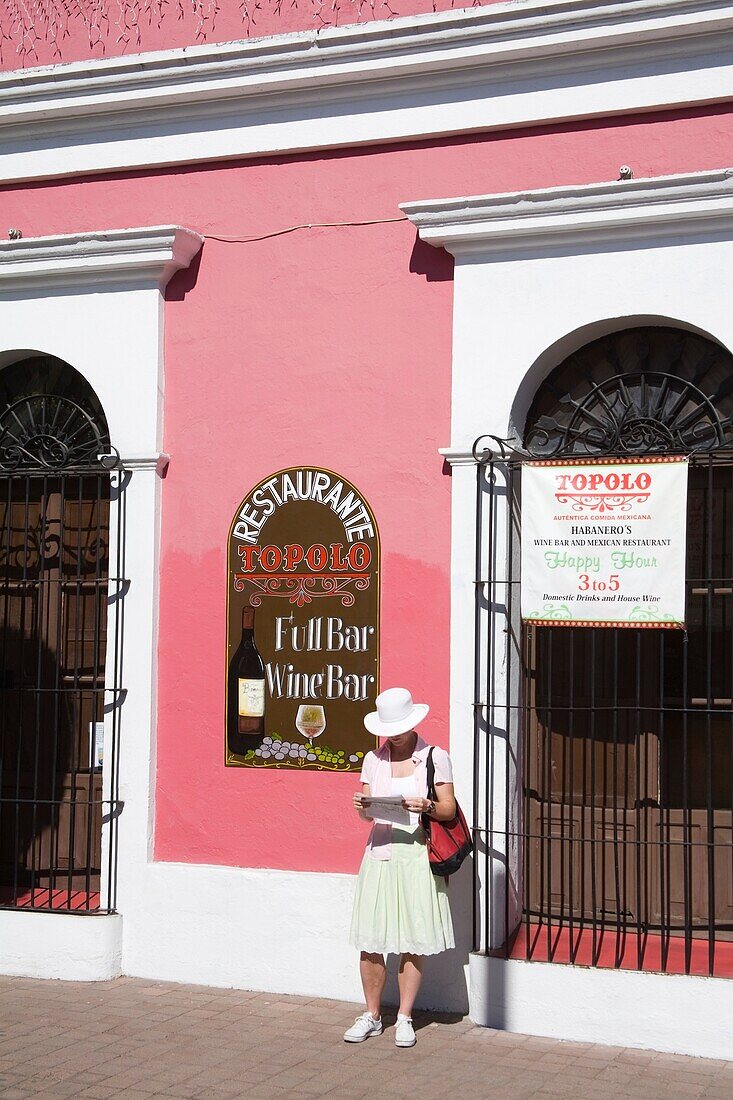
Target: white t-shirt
406 787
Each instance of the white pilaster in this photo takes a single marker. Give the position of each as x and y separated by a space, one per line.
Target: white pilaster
94 300
538 275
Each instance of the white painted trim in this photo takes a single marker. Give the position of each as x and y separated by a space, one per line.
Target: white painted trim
157 461
428 75
699 202
69 946
153 252
457 456
536 29
677 1014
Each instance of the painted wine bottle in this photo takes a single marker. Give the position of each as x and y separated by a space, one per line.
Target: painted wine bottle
246 690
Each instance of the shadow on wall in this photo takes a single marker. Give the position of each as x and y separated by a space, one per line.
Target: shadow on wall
185 279
445 982
434 263
494 913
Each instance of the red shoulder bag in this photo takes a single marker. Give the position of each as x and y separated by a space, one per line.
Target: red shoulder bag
449 842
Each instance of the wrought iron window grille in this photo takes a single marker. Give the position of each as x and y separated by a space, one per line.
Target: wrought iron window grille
61 609
603 760
48 433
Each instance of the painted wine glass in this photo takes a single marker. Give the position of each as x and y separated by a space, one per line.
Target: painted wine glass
310 721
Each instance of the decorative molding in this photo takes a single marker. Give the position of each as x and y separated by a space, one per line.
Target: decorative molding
158 461
498 33
150 254
696 203
458 456
453 72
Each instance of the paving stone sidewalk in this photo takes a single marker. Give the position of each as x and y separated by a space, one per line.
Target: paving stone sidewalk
137 1038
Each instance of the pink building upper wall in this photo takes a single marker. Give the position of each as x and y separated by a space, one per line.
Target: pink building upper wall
323 346
54 33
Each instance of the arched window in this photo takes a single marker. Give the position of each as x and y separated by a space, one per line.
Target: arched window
54 570
628 772
50 417
640 390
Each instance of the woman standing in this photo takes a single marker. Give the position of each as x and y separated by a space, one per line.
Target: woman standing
400 907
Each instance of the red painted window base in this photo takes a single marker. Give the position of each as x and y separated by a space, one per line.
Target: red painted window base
77 901
622 951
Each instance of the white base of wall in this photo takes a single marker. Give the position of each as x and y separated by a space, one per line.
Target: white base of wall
667 1012
276 931
60 945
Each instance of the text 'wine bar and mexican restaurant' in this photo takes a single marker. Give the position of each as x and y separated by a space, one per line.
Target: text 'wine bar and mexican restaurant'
345 348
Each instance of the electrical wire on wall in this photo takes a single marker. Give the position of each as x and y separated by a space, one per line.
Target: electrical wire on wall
295 228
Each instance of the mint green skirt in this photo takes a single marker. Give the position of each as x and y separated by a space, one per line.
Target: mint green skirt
400 906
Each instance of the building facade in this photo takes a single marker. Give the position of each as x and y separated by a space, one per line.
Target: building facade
418 252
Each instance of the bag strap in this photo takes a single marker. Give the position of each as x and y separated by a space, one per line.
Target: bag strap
431 777
432 793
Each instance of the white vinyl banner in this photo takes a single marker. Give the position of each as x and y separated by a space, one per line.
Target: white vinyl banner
604 542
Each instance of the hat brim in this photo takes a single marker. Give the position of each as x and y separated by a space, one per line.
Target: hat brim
394 729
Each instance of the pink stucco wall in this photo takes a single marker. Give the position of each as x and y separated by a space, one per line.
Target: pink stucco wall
46 34
332 347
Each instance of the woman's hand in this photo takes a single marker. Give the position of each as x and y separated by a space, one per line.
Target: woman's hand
416 805
442 809
361 802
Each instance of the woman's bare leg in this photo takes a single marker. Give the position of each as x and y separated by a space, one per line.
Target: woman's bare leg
373 977
408 979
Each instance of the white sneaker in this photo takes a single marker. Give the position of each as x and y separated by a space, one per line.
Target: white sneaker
404 1032
364 1026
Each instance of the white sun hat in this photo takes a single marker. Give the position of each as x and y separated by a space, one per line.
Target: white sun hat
396 713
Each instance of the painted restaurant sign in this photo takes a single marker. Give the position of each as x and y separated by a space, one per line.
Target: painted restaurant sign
604 542
302 624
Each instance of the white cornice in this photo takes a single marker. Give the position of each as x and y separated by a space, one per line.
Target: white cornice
474 69
499 33
151 254
158 461
697 203
457 456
